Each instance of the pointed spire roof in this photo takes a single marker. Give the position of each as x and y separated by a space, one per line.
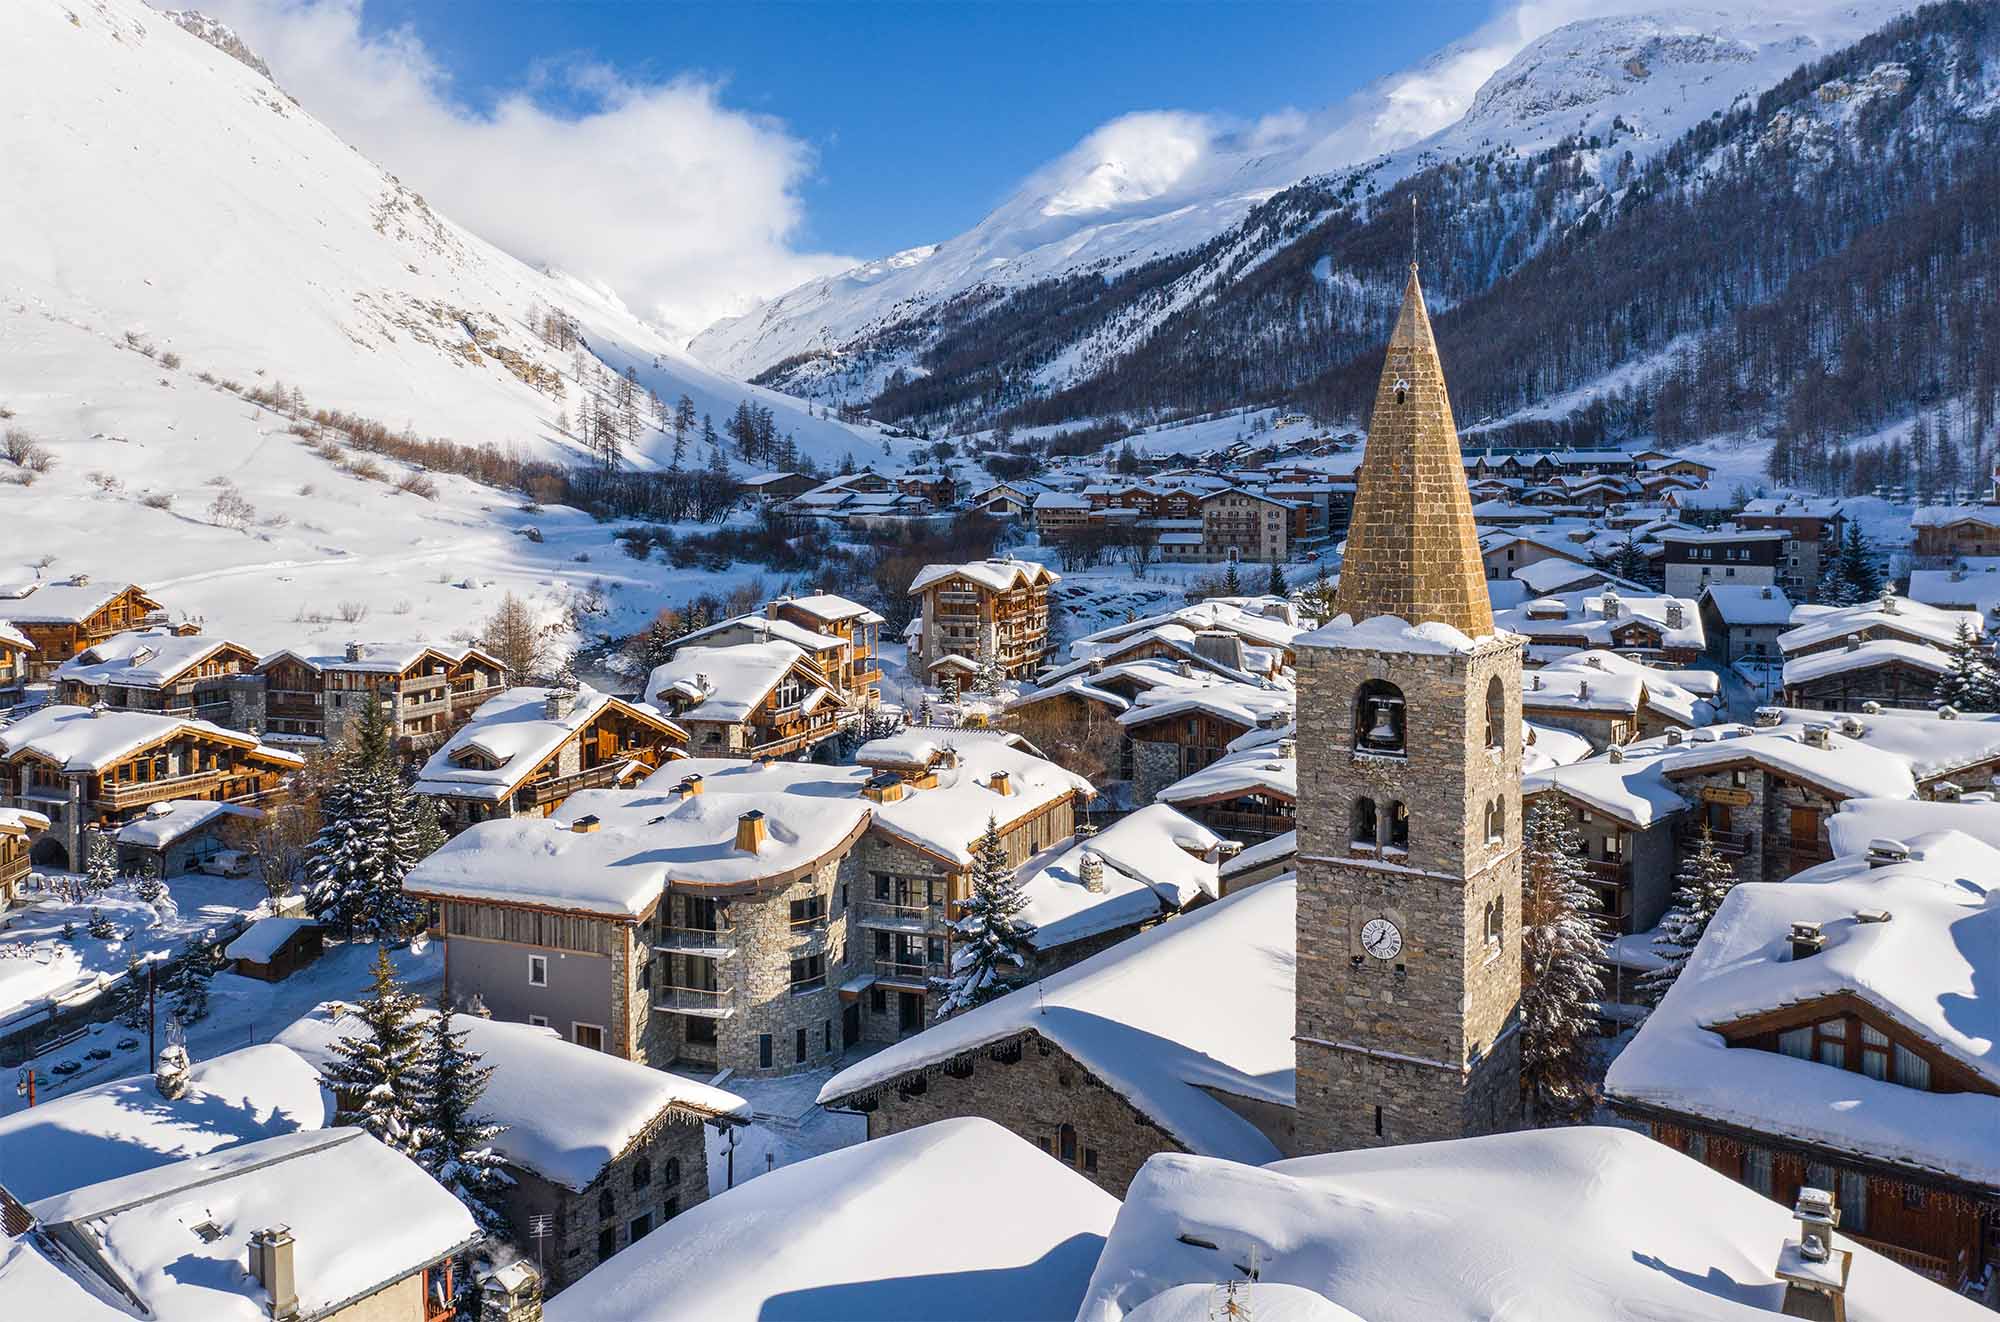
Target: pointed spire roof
1412 550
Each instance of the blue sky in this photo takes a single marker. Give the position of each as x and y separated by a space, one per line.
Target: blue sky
922 114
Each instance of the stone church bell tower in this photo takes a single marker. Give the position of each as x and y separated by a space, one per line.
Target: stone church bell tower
1409 711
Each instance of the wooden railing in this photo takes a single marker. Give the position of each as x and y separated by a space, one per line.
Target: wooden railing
538 792
1937 1268
117 796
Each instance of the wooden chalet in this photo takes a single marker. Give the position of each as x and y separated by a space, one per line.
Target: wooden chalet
528 749
18 828
856 671
87 768
427 692
749 700
15 650
997 607
159 670
62 619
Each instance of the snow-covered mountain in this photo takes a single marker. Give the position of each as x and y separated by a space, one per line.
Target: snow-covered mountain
160 183
1155 187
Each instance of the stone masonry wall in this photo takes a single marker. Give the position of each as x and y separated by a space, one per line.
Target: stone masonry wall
1427 1035
1155 765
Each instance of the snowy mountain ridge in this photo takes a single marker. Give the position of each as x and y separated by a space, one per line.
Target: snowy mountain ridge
1150 188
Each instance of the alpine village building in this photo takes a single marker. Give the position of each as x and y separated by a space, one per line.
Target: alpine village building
997 607
62 619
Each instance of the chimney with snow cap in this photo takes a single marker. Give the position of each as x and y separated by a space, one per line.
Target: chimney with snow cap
1816 736
1884 852
271 1262
1766 717
1947 713
1807 940
750 832
1813 1270
558 703
1002 784
1091 871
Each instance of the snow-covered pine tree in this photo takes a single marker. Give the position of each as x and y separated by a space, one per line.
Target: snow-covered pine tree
377 1074
100 868
1704 880
1970 683
190 991
1276 586
149 888
1232 582
350 860
454 1141
991 677
100 926
1560 982
991 937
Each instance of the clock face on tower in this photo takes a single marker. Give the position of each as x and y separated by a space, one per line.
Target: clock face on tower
1381 938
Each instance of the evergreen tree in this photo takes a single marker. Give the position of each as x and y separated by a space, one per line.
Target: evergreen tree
1852 578
1560 981
99 926
991 937
100 869
378 1072
1704 880
373 831
991 677
1277 587
149 887
1232 582
454 1141
1970 684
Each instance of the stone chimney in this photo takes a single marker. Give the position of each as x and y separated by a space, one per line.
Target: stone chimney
883 787
558 703
354 651
1947 713
1854 642
512 1293
1889 604
1091 871
1676 614
1288 748
1615 753
1674 737
1813 1270
1816 736
1871 708
750 832
271 1263
1947 791
1807 940
1766 718
171 1078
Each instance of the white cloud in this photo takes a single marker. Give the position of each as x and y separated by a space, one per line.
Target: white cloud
683 207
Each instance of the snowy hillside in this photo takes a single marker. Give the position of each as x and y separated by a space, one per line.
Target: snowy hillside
1150 186
160 184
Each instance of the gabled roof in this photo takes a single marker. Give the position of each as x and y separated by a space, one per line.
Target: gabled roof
1202 1003
1743 604
514 731
165 822
569 1110
828 606
1155 862
1255 770
144 658
1875 652
995 575
1813 625
87 739
70 602
380 658
1923 971
729 683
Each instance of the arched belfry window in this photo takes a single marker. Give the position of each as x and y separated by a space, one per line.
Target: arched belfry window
1496 713
1379 718
1399 825
1364 823
1402 390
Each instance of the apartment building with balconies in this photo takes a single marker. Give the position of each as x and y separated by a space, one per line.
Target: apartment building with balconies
996 607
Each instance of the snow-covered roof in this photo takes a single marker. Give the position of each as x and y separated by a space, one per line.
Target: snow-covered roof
996 575
1268 621
1847 768
514 730
1259 769
1815 625
329 1187
1632 789
265 938
948 818
1075 685
651 835
142 658
13 640
1686 696
21 821
88 739
1975 589
1794 507
1923 970
1861 822
125 1126
1727 532
759 628
165 822
1545 746
1387 633
1742 603
832 1237
1193 1007
1596 615
378 658
727 683
831 607
1248 705
1874 652
1943 516
67 602
1580 1224
569 1110
1155 862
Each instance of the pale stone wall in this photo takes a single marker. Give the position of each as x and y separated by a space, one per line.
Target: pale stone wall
401 1302
1034 1089
1426 1036
1155 765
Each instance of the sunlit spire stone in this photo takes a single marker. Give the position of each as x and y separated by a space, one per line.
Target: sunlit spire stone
1412 550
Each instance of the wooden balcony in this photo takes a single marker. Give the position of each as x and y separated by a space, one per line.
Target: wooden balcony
555 789
13 871
1733 844
117 796
1609 872
1938 1269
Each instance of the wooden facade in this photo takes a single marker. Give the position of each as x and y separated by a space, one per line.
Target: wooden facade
426 696
614 744
964 616
1887 682
62 632
199 690
1931 1222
